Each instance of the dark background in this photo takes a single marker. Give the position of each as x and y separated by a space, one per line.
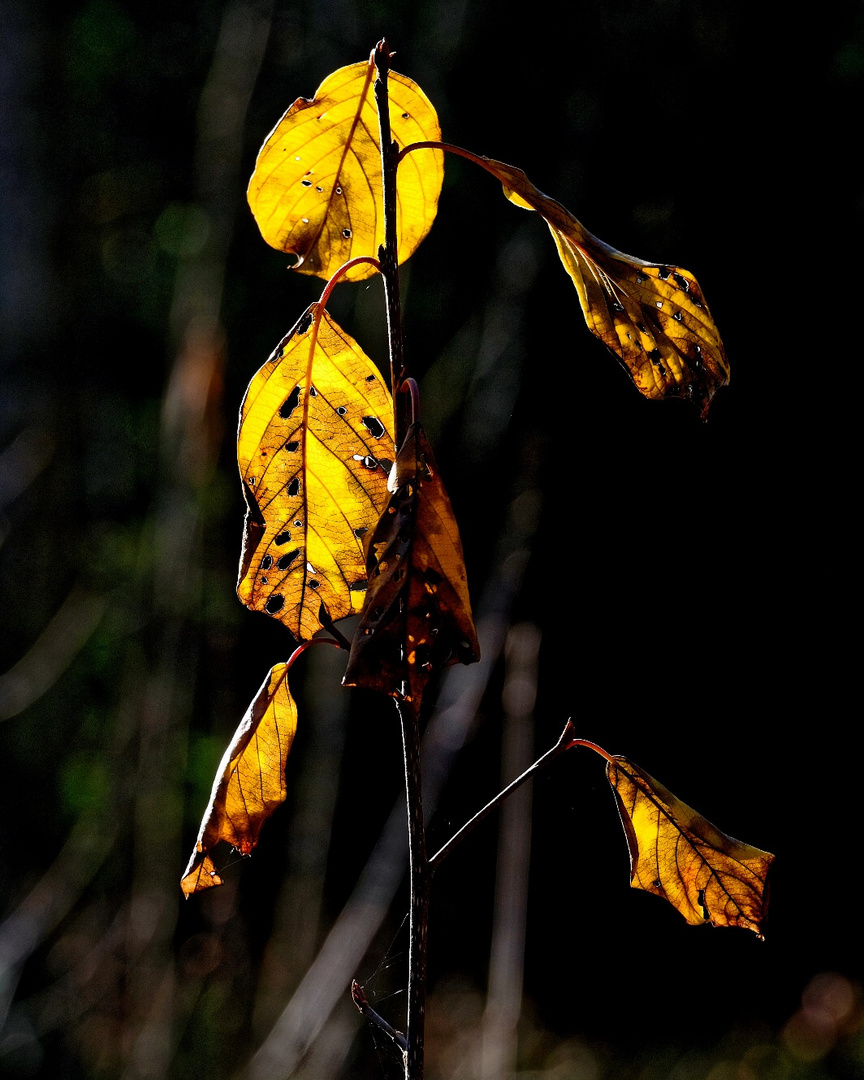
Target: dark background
691 584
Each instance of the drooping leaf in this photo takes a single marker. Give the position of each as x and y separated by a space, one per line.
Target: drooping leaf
652 316
417 616
679 855
315 447
250 781
316 190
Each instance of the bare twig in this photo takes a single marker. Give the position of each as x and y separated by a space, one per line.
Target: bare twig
564 743
358 995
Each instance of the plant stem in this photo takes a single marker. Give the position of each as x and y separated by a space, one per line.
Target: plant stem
421 877
564 743
388 253
402 408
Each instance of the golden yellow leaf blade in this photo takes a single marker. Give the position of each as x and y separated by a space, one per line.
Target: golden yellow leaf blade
652 316
315 447
316 189
250 781
417 617
679 855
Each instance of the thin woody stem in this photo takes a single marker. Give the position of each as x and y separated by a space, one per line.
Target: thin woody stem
358 995
403 409
388 253
421 879
565 742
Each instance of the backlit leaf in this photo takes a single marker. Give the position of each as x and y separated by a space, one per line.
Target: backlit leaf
250 781
417 617
675 853
315 447
652 316
316 190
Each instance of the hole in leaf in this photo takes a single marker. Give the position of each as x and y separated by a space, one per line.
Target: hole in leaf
346 233
304 323
286 560
275 603
373 425
294 486
341 410
359 586
290 403
306 183
282 538
266 562
290 446
314 584
361 532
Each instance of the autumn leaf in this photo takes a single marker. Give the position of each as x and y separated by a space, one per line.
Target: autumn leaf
417 617
675 853
250 781
652 316
315 447
316 189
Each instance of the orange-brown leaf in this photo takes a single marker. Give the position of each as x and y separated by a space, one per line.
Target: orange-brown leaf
417 616
652 316
316 190
315 447
679 855
250 781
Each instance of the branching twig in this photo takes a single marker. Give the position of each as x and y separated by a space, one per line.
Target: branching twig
564 743
362 1002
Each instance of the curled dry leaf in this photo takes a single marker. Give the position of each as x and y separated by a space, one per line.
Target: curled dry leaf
315 447
417 616
652 316
679 855
250 781
316 190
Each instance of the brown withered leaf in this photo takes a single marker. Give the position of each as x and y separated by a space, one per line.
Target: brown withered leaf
679 855
314 448
417 616
652 316
250 780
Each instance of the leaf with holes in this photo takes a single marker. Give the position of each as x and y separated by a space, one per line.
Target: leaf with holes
315 447
652 316
675 853
250 781
316 190
417 616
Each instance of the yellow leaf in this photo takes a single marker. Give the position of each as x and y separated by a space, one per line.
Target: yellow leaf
250 781
315 447
652 316
417 617
675 853
316 190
